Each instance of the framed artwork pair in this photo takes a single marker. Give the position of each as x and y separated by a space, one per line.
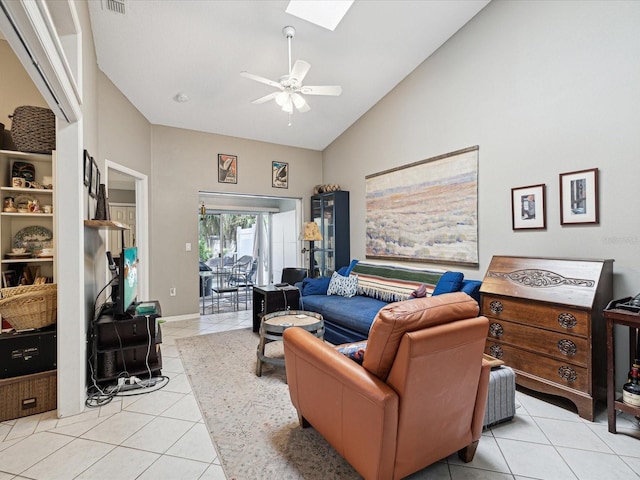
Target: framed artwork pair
578 201
228 171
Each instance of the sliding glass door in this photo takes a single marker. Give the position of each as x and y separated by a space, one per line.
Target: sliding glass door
226 237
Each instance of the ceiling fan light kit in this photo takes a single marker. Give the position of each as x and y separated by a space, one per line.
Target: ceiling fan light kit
290 85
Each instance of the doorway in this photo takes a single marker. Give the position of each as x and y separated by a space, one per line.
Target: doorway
271 231
130 187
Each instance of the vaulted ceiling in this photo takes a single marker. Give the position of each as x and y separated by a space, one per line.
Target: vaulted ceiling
156 50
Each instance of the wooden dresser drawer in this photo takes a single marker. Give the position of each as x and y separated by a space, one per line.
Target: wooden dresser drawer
553 370
553 317
569 348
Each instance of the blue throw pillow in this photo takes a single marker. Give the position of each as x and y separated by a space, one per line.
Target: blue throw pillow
448 283
315 286
346 270
472 288
355 351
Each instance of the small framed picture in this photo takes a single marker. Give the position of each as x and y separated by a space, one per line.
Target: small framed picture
95 179
227 168
87 168
528 207
9 278
579 197
279 175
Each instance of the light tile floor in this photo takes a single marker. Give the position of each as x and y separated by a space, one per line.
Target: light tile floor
163 436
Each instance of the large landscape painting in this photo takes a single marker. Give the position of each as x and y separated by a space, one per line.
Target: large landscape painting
426 211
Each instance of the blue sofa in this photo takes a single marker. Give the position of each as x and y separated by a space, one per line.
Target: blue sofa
348 319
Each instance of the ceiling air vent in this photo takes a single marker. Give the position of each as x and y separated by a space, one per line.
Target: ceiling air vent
117 6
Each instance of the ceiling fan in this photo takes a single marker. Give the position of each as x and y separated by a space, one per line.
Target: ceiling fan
290 85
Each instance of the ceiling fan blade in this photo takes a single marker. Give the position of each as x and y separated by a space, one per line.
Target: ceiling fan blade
260 79
300 70
266 98
333 90
300 103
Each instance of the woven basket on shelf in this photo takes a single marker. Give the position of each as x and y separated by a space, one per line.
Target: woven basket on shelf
29 306
33 129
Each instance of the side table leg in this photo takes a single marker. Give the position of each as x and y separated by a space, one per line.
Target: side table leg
611 371
260 354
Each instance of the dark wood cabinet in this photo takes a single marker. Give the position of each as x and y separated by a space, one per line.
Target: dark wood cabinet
546 322
331 212
269 299
129 345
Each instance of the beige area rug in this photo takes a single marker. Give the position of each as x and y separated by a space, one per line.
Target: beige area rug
251 419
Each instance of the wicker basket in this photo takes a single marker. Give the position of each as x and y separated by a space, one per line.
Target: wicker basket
33 129
29 306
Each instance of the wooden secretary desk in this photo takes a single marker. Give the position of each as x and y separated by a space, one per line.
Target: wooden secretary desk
546 322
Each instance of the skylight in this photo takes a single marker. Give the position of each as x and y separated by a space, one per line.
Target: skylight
325 13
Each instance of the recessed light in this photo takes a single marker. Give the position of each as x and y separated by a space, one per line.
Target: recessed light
181 98
325 13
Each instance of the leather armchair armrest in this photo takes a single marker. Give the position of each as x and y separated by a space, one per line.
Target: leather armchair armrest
355 411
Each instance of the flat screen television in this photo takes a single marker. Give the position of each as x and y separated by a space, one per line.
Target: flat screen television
127 281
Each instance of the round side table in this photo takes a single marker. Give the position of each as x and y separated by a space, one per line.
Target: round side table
273 326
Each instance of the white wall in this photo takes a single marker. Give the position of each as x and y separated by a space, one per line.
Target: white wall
184 164
543 88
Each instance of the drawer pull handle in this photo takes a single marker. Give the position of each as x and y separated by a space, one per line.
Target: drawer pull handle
568 374
567 347
496 330
567 320
496 307
496 351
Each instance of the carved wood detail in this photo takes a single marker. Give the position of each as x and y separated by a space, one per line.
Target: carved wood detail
541 278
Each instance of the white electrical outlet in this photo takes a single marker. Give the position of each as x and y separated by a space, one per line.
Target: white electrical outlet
187 247
172 291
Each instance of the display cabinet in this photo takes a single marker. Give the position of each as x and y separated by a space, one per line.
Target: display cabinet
331 212
26 220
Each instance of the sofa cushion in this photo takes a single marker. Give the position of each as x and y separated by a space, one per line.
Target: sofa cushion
472 288
346 270
420 292
395 319
355 351
393 284
449 282
355 313
315 286
343 286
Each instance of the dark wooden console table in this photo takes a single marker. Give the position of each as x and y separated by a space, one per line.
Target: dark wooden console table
269 299
632 320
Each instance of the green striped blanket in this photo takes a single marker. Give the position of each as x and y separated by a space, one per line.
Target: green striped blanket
393 284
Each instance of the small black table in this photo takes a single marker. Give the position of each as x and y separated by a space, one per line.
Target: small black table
269 298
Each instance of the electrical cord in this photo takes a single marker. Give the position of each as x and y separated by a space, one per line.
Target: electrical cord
146 360
100 397
284 295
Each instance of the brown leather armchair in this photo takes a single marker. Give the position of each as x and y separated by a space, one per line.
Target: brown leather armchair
418 397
